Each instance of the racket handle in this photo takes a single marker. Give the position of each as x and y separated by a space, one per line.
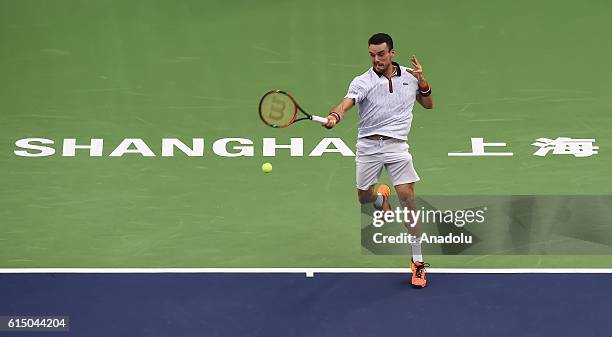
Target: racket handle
321 120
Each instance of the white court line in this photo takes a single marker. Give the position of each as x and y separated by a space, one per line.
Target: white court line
308 271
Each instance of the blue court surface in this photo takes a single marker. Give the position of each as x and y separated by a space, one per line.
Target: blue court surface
331 304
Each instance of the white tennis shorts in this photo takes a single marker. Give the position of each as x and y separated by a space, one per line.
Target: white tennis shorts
392 153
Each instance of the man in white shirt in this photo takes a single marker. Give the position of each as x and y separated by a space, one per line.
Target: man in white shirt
385 95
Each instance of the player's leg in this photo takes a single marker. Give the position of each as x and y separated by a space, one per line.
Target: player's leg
404 176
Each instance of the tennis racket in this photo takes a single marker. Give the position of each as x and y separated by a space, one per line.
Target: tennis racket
278 109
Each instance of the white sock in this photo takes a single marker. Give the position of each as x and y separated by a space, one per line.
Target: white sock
378 203
417 256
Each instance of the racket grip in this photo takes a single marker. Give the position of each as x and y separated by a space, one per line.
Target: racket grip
321 120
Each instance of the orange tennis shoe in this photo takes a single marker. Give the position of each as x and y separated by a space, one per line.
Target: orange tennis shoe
419 274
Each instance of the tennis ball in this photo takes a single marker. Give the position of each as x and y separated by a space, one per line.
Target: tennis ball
266 168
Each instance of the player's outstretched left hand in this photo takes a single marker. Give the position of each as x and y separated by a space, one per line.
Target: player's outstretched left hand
417 69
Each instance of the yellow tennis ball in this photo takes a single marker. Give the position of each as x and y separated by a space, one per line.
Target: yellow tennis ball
266 168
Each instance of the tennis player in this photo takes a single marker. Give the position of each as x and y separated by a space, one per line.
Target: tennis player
385 95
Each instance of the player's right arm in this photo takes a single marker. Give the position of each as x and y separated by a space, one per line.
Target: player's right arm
338 112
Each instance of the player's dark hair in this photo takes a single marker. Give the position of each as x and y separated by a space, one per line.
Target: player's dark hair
380 38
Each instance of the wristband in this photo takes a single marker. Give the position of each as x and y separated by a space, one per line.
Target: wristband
336 115
425 91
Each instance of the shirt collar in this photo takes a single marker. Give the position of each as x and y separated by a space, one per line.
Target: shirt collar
397 67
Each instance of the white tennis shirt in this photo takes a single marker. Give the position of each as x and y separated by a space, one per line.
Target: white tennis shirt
385 106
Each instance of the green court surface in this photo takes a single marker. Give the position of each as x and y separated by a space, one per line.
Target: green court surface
508 71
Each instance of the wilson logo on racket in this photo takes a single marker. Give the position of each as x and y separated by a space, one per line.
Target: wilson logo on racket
277 109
